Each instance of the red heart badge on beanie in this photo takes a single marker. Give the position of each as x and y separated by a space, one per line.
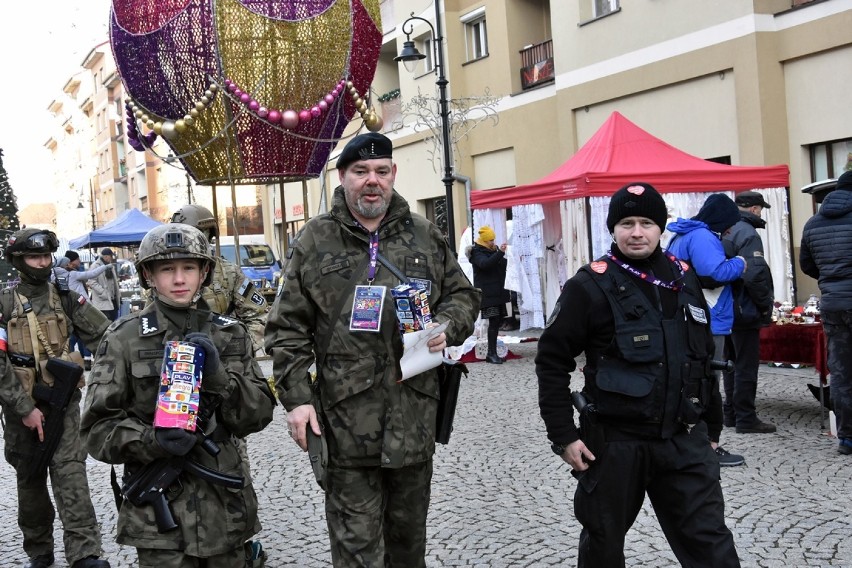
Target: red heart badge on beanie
636 189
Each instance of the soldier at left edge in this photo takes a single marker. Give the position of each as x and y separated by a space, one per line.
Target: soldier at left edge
36 319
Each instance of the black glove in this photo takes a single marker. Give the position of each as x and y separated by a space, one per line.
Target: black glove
211 354
176 441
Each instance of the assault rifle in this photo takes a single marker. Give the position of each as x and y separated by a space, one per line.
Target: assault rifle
65 375
149 484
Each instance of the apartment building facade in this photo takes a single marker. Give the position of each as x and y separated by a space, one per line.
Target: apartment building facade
744 82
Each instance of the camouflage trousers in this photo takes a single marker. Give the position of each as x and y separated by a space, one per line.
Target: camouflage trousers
838 331
377 517
81 534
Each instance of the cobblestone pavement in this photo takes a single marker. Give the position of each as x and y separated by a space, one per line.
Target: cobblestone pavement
501 498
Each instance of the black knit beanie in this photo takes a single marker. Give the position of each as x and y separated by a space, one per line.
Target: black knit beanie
637 200
719 212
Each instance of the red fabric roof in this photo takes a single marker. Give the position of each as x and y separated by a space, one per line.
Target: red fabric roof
620 152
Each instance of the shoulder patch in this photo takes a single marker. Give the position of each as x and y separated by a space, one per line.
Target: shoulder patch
758 253
148 324
223 321
81 300
598 266
244 287
257 299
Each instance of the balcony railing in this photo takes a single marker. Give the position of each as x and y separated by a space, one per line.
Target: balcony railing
537 64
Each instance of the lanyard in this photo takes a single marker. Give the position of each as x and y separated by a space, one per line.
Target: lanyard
674 285
374 256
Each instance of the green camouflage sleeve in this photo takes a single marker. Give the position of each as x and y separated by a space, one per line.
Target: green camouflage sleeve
249 405
289 331
12 394
89 322
108 432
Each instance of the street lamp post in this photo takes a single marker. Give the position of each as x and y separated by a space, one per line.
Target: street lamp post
409 57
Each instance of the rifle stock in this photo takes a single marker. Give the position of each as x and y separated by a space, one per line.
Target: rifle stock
66 375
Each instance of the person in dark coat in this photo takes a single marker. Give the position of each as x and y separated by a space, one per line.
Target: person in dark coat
489 275
825 255
753 300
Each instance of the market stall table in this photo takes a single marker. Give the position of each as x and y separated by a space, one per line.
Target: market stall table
793 343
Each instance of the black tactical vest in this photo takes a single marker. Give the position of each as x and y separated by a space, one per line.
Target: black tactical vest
655 370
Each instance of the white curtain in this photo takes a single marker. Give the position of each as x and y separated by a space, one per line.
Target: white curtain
528 248
575 237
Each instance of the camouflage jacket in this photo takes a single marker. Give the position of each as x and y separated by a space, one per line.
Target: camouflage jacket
117 420
83 320
233 294
370 418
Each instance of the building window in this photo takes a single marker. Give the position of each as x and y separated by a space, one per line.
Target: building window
436 212
830 159
604 7
475 34
428 49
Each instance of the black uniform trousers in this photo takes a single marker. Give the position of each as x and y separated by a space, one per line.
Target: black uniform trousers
743 347
680 476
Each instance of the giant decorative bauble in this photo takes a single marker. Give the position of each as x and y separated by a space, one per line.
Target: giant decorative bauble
246 91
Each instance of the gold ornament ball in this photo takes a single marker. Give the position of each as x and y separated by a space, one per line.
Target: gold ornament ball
180 126
208 93
350 84
158 128
150 124
144 118
138 113
194 113
213 87
205 100
373 122
199 106
189 120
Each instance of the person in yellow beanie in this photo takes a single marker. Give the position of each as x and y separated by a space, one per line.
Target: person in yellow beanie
489 275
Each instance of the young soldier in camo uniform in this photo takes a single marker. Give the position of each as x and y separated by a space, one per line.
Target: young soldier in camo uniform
59 314
380 431
214 522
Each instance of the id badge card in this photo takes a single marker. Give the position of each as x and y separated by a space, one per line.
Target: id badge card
367 308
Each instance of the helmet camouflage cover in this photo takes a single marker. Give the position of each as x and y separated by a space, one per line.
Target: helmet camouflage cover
170 242
31 241
199 217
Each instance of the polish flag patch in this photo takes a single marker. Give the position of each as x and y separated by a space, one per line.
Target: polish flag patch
81 300
636 189
599 267
684 265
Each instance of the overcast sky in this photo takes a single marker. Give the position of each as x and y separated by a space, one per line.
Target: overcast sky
41 45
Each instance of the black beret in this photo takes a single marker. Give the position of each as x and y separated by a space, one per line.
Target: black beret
369 146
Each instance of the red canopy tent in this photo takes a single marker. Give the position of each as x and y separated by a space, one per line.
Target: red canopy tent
621 152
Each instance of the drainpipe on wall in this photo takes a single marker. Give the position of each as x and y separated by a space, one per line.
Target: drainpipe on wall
466 181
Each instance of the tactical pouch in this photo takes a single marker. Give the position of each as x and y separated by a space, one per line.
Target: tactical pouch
52 325
27 377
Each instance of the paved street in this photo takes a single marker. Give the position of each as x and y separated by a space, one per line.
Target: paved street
501 498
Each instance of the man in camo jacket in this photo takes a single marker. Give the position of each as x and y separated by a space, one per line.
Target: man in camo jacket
380 431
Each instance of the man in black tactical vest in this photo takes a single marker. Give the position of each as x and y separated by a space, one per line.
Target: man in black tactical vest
639 316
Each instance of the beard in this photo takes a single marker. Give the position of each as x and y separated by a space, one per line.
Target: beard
371 211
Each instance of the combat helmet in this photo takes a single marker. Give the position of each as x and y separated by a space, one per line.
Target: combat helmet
31 241
174 241
199 217
28 242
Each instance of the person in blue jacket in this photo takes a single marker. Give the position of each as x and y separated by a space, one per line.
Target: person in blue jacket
698 241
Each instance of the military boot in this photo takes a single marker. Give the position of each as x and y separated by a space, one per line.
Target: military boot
41 561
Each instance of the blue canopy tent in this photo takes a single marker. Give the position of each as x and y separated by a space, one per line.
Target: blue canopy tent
125 230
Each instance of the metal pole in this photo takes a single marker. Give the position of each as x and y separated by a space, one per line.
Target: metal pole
445 128
92 203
